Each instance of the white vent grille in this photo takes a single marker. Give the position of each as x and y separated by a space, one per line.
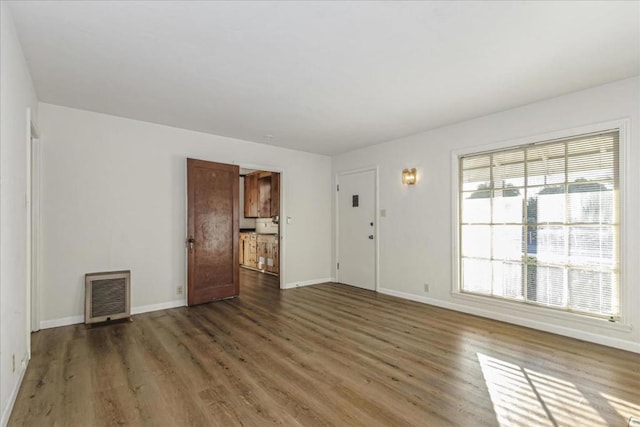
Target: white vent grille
107 296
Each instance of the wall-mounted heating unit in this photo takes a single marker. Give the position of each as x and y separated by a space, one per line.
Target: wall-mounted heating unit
107 296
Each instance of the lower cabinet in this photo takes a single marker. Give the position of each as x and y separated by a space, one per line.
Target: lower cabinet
260 251
248 249
268 259
273 256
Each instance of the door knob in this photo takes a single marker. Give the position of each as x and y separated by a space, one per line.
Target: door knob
191 241
371 236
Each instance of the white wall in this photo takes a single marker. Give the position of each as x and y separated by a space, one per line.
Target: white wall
416 237
16 95
113 198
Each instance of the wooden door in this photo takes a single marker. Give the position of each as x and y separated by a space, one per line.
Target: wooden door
213 228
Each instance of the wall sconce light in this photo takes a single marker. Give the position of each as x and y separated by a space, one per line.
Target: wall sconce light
409 176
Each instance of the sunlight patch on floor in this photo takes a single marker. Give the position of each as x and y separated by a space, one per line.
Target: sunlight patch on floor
623 407
522 397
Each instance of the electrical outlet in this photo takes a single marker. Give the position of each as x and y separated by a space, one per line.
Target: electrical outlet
426 287
179 290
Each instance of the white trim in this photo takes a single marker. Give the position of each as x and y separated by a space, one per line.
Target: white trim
626 227
157 307
516 320
541 311
544 137
294 285
34 130
626 294
73 320
64 321
33 185
185 247
36 232
455 222
376 220
14 393
28 229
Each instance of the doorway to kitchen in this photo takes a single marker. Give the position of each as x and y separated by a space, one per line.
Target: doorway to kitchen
234 233
260 234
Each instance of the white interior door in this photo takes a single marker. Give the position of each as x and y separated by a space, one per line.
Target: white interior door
357 229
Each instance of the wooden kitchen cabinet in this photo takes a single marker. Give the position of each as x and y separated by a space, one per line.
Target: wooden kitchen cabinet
251 195
275 194
252 260
260 251
241 242
261 194
264 195
267 253
248 247
273 254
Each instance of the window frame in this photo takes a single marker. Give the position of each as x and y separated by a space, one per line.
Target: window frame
491 302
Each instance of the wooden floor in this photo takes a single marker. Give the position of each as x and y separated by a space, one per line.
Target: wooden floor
321 355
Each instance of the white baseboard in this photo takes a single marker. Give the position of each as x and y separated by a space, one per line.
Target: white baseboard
64 321
72 320
6 412
529 323
307 283
155 307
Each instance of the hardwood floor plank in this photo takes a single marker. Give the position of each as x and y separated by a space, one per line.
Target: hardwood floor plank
322 355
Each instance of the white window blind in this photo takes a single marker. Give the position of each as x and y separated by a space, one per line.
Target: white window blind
540 224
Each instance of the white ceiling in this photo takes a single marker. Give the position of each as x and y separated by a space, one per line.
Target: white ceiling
324 77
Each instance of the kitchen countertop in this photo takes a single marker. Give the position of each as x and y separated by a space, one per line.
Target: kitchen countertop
259 234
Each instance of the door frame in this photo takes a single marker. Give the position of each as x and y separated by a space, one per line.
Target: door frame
33 225
376 219
282 227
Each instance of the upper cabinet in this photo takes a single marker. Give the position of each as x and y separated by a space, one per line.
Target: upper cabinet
275 194
262 194
251 195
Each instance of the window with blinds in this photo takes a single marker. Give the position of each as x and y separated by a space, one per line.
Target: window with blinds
540 224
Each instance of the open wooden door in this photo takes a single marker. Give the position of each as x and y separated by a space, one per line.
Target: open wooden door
213 230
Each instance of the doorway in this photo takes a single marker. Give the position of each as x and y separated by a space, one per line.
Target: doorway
260 225
223 250
357 228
